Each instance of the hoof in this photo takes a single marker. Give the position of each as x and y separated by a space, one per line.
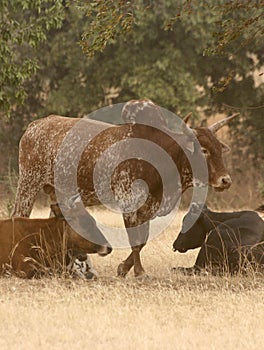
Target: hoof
187 271
143 278
91 275
121 271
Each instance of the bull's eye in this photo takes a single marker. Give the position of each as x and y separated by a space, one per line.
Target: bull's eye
205 151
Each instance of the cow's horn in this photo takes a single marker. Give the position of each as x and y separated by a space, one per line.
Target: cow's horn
187 117
218 125
74 199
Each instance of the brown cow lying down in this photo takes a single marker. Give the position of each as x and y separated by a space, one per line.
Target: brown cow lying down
229 241
31 247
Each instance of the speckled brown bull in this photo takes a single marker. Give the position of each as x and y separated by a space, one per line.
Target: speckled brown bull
43 139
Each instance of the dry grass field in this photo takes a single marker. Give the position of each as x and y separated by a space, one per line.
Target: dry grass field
166 311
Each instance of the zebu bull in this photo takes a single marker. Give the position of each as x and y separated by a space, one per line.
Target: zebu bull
29 247
43 139
228 241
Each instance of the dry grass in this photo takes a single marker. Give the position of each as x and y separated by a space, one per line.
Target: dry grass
167 311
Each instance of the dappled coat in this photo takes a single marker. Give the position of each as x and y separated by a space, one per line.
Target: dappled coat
49 147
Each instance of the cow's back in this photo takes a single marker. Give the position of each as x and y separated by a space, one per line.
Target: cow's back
241 228
241 234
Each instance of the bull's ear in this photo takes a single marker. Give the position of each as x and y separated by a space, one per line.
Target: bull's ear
186 143
188 140
190 146
225 148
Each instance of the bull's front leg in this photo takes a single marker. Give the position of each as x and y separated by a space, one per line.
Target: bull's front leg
138 236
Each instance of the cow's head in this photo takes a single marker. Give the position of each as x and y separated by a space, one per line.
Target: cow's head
83 222
195 236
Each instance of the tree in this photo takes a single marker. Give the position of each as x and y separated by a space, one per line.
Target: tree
23 26
136 50
221 40
237 21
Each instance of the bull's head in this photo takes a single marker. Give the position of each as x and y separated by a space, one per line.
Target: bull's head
145 111
213 151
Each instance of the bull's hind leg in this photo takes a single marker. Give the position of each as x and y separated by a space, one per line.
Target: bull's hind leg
137 238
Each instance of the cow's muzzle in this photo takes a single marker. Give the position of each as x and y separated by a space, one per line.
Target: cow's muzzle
105 250
180 250
178 246
223 183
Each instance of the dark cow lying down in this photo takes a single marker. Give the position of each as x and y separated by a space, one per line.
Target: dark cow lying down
228 241
30 247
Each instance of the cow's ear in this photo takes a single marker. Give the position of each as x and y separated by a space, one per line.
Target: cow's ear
76 199
55 208
225 148
49 189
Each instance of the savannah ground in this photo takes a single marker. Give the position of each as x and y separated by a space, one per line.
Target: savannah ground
166 311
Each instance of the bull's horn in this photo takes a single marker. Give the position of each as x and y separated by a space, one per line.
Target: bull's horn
187 117
187 130
218 125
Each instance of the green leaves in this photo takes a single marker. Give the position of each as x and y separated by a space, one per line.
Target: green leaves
108 20
164 50
23 26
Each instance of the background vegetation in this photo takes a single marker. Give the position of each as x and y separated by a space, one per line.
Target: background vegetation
72 57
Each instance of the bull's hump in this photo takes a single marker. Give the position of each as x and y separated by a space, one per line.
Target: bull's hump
71 120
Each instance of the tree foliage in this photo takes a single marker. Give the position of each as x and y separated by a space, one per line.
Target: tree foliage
214 45
165 50
23 26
